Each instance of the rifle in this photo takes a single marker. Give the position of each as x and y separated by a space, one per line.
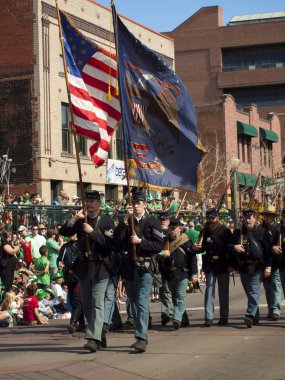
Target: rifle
117 208
220 201
180 206
218 207
156 277
254 190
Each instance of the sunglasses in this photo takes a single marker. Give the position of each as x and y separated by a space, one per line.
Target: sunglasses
35 229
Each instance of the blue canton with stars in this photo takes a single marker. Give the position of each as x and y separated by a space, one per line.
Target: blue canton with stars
78 48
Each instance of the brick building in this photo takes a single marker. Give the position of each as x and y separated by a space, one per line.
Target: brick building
33 98
245 59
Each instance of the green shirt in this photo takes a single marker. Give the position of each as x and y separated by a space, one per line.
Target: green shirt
40 266
53 251
174 206
193 235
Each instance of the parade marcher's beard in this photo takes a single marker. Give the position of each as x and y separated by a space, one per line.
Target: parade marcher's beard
213 226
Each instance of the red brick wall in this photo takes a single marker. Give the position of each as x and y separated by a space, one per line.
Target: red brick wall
199 41
16 37
16 98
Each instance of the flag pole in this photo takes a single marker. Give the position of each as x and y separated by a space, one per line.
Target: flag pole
132 223
88 253
180 206
134 251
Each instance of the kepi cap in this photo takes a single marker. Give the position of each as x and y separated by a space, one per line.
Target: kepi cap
175 222
93 194
249 212
139 196
212 212
163 215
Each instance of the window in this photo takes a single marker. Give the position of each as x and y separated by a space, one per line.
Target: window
254 57
86 187
66 134
266 153
55 187
82 144
61 64
262 96
119 142
244 148
111 192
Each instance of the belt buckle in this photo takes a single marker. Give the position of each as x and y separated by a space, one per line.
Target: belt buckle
173 269
215 257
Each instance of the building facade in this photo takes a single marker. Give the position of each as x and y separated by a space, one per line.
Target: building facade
245 59
34 115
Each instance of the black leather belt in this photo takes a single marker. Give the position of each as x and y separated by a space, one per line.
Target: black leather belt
250 261
175 269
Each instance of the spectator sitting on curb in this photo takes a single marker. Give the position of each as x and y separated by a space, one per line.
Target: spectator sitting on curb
31 315
58 302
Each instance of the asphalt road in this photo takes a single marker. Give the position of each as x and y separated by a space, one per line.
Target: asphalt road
231 352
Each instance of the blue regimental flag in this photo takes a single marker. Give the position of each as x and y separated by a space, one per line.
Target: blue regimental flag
159 119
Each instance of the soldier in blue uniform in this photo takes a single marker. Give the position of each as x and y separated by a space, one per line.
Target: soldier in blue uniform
178 266
216 237
68 255
148 241
167 308
277 278
250 247
272 284
92 269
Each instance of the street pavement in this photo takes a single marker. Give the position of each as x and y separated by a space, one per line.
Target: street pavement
231 352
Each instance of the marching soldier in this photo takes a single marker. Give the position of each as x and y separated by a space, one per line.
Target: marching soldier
167 308
91 267
136 268
178 266
278 269
68 255
251 249
214 239
272 284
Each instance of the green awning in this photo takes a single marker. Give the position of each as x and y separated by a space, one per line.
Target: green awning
246 129
246 179
268 181
266 134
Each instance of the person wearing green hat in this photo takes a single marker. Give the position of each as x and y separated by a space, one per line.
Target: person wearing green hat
59 302
40 294
44 307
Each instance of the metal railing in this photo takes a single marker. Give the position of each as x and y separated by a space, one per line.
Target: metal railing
12 216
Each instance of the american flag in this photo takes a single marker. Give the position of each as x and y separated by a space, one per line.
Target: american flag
92 73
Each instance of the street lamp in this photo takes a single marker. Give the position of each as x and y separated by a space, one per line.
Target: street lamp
234 161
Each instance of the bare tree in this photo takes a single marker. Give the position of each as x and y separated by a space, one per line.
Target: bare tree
213 171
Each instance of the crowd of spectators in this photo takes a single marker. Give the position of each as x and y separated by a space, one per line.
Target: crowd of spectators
28 209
